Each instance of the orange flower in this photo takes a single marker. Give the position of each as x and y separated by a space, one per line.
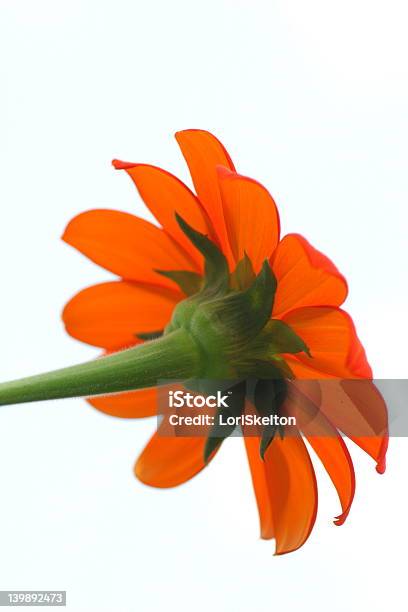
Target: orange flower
240 217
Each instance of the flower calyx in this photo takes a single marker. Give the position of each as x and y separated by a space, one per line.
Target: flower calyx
229 316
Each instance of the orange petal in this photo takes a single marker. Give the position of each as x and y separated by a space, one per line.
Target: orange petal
203 153
251 217
129 405
126 245
327 444
371 405
110 315
357 408
305 276
332 339
334 455
261 488
376 447
170 461
293 491
165 195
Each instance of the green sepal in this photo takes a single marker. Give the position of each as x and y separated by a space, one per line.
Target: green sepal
214 441
274 369
219 432
283 339
277 338
269 396
216 273
189 282
279 363
212 444
243 275
242 315
268 435
153 335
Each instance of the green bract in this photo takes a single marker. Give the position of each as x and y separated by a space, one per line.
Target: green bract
229 317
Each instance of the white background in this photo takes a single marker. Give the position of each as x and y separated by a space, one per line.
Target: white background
310 97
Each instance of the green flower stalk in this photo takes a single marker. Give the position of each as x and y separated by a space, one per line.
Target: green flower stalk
174 356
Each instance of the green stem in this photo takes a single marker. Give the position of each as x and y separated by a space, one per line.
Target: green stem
173 357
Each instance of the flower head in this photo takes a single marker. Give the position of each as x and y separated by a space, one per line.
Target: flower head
216 270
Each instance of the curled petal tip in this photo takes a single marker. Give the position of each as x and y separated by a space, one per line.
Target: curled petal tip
382 457
280 553
121 165
341 519
381 466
